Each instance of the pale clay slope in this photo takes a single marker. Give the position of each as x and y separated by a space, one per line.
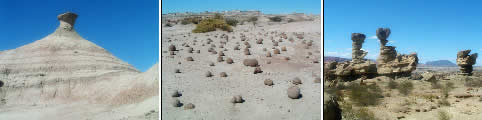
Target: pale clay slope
64 76
211 96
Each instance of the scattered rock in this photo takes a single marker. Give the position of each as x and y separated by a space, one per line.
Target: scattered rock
177 71
229 61
172 48
250 62
176 103
257 70
208 74
189 106
237 99
223 74
189 59
294 92
268 82
175 93
296 81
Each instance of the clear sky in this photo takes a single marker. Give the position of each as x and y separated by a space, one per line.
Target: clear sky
129 29
436 30
265 6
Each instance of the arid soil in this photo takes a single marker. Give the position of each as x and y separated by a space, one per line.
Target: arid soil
211 96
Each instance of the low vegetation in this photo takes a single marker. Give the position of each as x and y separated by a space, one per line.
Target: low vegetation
405 87
443 115
361 114
364 95
232 22
209 25
275 19
392 84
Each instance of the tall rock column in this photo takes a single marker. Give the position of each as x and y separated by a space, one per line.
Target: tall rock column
357 53
465 61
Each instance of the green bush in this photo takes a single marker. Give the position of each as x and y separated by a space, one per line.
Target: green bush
218 16
392 84
365 95
275 19
232 22
405 87
209 25
443 115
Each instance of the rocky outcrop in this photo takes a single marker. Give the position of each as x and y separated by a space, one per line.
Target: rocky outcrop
465 61
357 67
390 63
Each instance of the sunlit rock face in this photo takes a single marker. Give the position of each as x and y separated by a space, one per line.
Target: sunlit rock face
389 62
465 61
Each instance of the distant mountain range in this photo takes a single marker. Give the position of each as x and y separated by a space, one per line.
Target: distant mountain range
441 63
337 59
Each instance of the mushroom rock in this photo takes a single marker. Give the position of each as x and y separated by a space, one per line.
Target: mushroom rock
390 63
465 61
354 69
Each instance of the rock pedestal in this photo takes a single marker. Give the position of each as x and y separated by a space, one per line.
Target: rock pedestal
465 61
390 63
357 67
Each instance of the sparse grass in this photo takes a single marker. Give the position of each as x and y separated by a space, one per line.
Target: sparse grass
209 25
443 115
392 84
405 87
349 113
444 102
447 88
365 95
253 19
470 82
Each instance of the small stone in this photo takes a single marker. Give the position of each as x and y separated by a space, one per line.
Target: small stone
208 74
223 74
237 99
296 81
175 93
268 82
294 92
176 103
177 71
189 106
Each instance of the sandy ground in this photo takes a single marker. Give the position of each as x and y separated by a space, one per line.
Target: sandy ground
211 95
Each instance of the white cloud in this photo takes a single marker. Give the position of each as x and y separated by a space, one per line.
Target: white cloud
338 54
373 37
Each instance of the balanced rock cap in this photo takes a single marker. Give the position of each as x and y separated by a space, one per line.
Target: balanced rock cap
67 20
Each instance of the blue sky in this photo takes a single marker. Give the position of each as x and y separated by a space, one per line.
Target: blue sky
129 29
265 6
436 30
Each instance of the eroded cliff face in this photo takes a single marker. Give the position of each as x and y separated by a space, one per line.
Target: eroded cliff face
63 68
466 61
390 63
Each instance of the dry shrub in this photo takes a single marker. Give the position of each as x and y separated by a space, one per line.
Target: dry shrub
392 84
443 115
405 87
365 95
444 102
209 25
471 82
